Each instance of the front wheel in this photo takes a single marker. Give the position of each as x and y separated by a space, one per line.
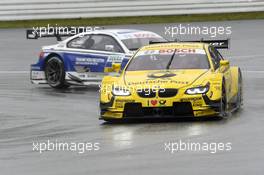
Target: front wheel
55 73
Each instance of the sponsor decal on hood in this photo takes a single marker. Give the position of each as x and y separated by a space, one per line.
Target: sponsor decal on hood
177 79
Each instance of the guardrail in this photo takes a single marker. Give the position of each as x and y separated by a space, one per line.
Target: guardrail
50 9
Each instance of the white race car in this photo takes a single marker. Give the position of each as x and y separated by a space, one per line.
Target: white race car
85 58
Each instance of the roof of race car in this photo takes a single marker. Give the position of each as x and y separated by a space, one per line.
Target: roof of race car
126 33
122 31
193 45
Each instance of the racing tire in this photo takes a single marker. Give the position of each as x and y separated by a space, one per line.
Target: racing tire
239 99
223 102
55 73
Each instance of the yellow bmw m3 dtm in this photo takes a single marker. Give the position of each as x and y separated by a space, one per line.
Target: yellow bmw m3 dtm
173 79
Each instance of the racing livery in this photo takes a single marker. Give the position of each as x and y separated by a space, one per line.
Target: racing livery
173 79
85 58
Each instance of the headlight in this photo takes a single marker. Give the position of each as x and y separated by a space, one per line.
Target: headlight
197 90
120 92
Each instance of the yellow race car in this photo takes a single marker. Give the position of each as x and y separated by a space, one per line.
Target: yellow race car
172 79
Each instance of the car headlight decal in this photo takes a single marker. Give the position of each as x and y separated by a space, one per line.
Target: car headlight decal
119 91
197 90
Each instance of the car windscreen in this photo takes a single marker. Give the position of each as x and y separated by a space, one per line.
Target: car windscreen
169 59
136 43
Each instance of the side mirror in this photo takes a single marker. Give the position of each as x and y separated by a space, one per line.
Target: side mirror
116 67
110 48
224 65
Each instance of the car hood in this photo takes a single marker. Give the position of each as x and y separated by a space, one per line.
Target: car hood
164 78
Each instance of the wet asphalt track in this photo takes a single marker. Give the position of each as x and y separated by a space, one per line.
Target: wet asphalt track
30 113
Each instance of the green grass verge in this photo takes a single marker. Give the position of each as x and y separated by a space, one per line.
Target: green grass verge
132 20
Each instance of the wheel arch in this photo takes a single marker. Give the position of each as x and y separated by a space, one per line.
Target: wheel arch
53 54
235 71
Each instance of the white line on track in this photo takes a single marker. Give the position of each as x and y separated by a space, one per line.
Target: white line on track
244 56
27 72
254 71
14 72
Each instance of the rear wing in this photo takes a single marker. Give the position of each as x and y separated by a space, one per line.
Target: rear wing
58 33
218 44
42 33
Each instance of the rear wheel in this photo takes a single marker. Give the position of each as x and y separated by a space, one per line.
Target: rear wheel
223 102
239 99
55 73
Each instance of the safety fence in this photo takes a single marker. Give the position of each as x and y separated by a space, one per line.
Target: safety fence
50 9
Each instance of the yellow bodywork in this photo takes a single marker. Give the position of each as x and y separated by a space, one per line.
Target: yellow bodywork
112 107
